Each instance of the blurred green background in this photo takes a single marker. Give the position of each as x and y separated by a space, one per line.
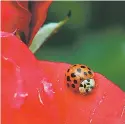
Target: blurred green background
94 35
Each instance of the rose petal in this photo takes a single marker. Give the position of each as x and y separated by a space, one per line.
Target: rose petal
94 108
23 4
39 12
35 92
19 74
14 17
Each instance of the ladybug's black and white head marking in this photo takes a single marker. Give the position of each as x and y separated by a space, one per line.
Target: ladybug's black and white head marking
86 86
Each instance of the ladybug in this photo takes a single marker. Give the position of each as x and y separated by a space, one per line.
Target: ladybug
77 77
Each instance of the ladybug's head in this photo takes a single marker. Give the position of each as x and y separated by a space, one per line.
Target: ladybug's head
86 86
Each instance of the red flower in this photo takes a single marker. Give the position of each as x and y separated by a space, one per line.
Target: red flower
34 92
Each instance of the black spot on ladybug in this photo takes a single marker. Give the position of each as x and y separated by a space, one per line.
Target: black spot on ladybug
85 73
73 75
68 78
88 80
81 85
88 83
89 68
73 85
84 86
68 85
68 70
87 90
83 66
90 72
75 81
74 65
79 70
81 78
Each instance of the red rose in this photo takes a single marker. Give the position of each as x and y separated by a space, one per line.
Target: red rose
34 92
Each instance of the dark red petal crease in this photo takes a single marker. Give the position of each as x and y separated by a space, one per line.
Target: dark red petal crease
23 4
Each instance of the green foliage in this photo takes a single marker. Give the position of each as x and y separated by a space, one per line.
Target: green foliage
95 36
